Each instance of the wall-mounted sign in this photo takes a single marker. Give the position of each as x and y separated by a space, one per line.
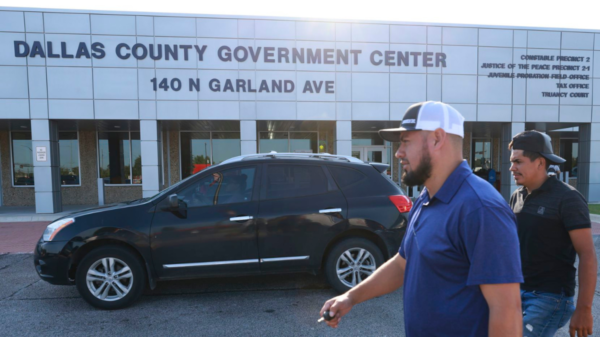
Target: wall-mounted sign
41 153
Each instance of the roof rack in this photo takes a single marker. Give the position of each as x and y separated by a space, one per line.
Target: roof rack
274 154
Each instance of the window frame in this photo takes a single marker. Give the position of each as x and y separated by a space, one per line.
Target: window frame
130 157
78 158
331 184
211 147
12 164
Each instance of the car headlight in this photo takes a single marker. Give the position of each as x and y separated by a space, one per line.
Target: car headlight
55 227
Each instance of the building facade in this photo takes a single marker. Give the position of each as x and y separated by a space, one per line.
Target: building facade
135 102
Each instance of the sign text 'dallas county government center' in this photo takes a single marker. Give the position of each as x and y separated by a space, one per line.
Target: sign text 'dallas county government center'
571 73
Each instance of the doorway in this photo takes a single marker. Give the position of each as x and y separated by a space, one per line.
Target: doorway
375 154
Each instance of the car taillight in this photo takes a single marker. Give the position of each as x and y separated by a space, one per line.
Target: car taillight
402 203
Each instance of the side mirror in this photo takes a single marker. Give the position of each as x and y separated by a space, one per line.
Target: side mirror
173 201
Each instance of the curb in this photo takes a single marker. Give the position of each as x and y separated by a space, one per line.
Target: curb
27 218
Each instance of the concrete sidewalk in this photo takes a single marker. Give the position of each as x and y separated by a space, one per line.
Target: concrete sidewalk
27 213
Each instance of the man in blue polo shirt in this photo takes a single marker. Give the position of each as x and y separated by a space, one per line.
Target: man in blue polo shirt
459 260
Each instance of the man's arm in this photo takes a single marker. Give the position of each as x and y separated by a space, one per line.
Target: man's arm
386 279
504 301
582 321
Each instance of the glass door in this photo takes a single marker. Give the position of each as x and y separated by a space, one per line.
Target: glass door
373 154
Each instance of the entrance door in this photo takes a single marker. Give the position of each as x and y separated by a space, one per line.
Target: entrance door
373 154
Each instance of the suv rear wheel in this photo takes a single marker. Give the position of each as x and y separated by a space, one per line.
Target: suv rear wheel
350 262
110 277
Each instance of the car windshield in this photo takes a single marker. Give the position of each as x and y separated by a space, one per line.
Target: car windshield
167 190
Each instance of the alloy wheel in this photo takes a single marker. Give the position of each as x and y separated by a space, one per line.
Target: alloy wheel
355 265
109 279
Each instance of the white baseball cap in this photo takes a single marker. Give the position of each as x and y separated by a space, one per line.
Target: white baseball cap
427 116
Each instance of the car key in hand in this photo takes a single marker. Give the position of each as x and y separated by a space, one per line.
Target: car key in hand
325 317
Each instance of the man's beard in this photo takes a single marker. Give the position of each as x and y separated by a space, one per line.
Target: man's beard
419 175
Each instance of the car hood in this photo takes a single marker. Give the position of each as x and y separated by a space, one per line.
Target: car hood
99 209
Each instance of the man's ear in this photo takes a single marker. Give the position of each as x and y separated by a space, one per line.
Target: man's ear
542 163
439 137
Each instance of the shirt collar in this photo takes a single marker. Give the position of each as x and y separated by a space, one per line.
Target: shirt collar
545 186
453 182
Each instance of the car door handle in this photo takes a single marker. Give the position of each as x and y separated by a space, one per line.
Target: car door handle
241 218
330 210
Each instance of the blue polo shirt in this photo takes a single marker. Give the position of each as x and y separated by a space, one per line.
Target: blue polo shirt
465 236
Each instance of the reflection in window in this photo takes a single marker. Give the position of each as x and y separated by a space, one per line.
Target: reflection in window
303 142
273 141
22 156
226 187
298 142
69 158
198 151
225 145
116 150
366 139
288 181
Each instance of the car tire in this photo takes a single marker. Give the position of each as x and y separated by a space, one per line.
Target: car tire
110 277
345 263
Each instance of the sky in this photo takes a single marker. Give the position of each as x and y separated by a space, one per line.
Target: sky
579 14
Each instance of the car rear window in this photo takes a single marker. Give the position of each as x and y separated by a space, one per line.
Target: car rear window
355 183
346 177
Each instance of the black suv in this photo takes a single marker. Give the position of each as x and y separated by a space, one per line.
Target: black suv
255 214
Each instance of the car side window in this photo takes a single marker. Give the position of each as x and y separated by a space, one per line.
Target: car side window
237 186
201 192
289 181
224 187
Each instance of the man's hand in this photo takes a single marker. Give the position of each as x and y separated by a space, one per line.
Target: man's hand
582 322
384 280
338 307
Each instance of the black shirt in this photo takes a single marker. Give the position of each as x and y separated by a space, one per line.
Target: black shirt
544 219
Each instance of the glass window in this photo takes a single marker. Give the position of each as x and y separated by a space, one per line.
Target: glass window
366 139
200 150
115 152
195 152
303 142
22 156
225 145
225 187
273 141
287 181
69 158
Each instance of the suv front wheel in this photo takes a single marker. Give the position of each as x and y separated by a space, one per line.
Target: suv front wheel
350 262
110 277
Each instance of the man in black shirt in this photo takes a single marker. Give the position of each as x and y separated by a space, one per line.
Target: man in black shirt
553 225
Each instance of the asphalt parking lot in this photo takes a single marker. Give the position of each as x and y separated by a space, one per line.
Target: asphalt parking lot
279 305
